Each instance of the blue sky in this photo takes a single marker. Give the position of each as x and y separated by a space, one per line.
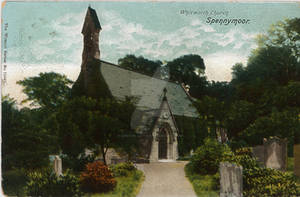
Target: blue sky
45 36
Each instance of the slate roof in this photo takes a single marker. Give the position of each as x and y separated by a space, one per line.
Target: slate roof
149 90
95 18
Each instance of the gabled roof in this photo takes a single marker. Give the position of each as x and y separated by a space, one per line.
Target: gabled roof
149 90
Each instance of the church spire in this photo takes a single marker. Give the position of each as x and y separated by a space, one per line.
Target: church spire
90 30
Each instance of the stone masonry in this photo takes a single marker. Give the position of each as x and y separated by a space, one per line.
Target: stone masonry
231 180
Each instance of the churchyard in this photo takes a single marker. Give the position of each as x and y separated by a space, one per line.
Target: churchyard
110 131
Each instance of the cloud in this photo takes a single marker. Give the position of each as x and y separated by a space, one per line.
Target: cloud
218 65
61 42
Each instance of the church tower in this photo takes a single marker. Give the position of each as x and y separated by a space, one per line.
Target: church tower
90 82
91 29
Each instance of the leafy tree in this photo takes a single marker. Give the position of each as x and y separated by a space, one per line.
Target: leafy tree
239 116
281 124
212 113
221 90
186 69
95 124
140 64
274 63
46 90
25 143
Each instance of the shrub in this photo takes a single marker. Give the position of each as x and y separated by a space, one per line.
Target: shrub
46 183
123 169
13 182
208 156
97 178
263 182
77 164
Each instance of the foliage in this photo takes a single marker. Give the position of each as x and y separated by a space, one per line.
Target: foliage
269 182
97 178
127 186
142 65
46 183
239 116
77 164
281 124
207 157
204 185
46 90
26 144
123 169
96 124
14 181
259 181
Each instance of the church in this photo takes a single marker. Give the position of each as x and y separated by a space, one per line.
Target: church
159 101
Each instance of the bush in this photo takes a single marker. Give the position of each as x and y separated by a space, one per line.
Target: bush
97 178
263 182
123 169
46 183
269 182
14 181
77 164
208 156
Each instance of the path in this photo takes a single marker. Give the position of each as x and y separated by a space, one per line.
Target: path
165 180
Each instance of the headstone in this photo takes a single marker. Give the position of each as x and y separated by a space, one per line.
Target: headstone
259 153
57 165
231 180
275 152
297 159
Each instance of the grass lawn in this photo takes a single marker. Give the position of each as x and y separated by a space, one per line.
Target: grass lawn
204 185
126 186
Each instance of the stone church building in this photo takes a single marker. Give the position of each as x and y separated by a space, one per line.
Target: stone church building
158 100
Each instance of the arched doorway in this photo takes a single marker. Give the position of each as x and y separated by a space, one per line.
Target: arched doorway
163 144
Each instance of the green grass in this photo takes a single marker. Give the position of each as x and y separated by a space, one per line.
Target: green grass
204 185
128 186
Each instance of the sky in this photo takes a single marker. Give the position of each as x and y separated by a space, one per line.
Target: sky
46 36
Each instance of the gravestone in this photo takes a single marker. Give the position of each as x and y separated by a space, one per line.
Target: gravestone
231 180
259 153
297 159
275 151
57 165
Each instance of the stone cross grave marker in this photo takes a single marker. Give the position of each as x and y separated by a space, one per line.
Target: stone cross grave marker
231 180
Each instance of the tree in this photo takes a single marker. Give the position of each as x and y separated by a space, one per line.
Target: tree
25 143
97 124
186 69
189 70
48 90
140 64
239 116
274 63
281 124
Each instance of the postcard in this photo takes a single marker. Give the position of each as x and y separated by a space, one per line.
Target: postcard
150 98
